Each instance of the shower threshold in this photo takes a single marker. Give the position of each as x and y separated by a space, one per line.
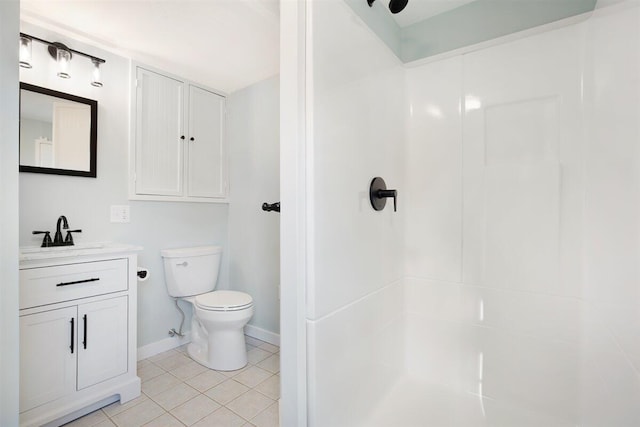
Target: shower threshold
412 403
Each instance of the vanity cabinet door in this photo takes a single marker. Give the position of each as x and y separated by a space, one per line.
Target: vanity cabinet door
102 341
159 134
205 148
48 348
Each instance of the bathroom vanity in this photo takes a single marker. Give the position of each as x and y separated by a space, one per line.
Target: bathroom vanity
77 330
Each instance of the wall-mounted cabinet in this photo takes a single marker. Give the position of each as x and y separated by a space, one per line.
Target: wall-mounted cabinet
178 150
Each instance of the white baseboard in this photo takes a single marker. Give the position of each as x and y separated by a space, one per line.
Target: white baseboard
262 334
172 342
163 345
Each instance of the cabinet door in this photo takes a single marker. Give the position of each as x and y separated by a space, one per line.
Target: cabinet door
159 128
48 348
102 341
206 154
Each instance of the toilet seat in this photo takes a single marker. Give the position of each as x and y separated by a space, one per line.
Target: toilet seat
224 301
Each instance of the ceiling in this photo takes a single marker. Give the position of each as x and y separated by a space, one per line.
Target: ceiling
224 44
419 10
231 44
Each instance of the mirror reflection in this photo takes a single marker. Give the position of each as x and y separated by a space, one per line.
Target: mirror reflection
57 132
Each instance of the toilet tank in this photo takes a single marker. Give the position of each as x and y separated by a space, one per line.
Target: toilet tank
191 271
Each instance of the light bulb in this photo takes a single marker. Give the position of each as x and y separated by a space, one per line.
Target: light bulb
95 77
64 57
25 52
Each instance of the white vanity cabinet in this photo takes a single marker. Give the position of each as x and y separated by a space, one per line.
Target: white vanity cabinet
178 146
77 333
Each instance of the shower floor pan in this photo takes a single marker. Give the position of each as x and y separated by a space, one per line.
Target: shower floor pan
411 403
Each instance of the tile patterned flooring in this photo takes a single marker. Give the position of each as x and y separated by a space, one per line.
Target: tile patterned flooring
176 391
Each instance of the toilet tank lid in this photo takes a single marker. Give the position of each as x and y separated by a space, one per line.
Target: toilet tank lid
187 252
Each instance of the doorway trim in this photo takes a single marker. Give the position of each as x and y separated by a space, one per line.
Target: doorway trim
294 214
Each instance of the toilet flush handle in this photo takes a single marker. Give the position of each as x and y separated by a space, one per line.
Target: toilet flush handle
184 263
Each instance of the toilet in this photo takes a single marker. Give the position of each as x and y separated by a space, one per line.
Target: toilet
219 317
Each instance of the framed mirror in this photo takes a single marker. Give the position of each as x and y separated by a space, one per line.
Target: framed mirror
58 132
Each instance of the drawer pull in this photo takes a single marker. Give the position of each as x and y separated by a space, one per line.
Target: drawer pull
95 279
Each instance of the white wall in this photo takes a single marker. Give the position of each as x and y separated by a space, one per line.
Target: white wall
254 235
612 212
9 358
86 201
354 293
523 225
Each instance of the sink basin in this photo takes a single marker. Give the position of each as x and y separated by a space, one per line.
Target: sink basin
81 246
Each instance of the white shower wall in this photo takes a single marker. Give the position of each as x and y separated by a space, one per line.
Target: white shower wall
354 301
523 223
511 270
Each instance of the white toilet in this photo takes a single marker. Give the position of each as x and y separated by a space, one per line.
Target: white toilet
217 326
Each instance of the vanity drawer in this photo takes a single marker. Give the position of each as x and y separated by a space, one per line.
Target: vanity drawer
48 285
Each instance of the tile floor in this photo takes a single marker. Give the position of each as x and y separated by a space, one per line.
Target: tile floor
176 391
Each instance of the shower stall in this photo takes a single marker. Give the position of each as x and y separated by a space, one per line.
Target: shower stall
505 290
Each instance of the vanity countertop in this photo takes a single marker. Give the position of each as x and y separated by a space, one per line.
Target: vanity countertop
35 253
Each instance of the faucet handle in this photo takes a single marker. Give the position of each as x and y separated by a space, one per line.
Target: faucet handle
46 242
68 240
378 194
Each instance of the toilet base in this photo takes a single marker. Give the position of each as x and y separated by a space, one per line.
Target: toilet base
217 338
228 352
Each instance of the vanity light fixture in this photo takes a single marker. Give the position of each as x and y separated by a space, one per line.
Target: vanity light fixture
62 54
25 52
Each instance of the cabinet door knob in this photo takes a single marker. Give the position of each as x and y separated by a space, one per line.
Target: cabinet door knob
192 139
182 137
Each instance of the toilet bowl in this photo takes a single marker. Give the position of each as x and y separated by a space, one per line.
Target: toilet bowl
219 317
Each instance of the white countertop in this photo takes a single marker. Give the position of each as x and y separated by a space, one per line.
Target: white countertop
33 253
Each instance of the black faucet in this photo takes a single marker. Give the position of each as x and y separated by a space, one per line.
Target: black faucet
57 239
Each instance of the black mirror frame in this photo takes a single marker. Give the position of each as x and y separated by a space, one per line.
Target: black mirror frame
93 135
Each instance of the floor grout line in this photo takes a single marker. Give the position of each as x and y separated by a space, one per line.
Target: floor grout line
161 371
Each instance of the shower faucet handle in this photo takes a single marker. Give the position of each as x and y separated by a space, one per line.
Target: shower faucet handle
388 194
378 195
